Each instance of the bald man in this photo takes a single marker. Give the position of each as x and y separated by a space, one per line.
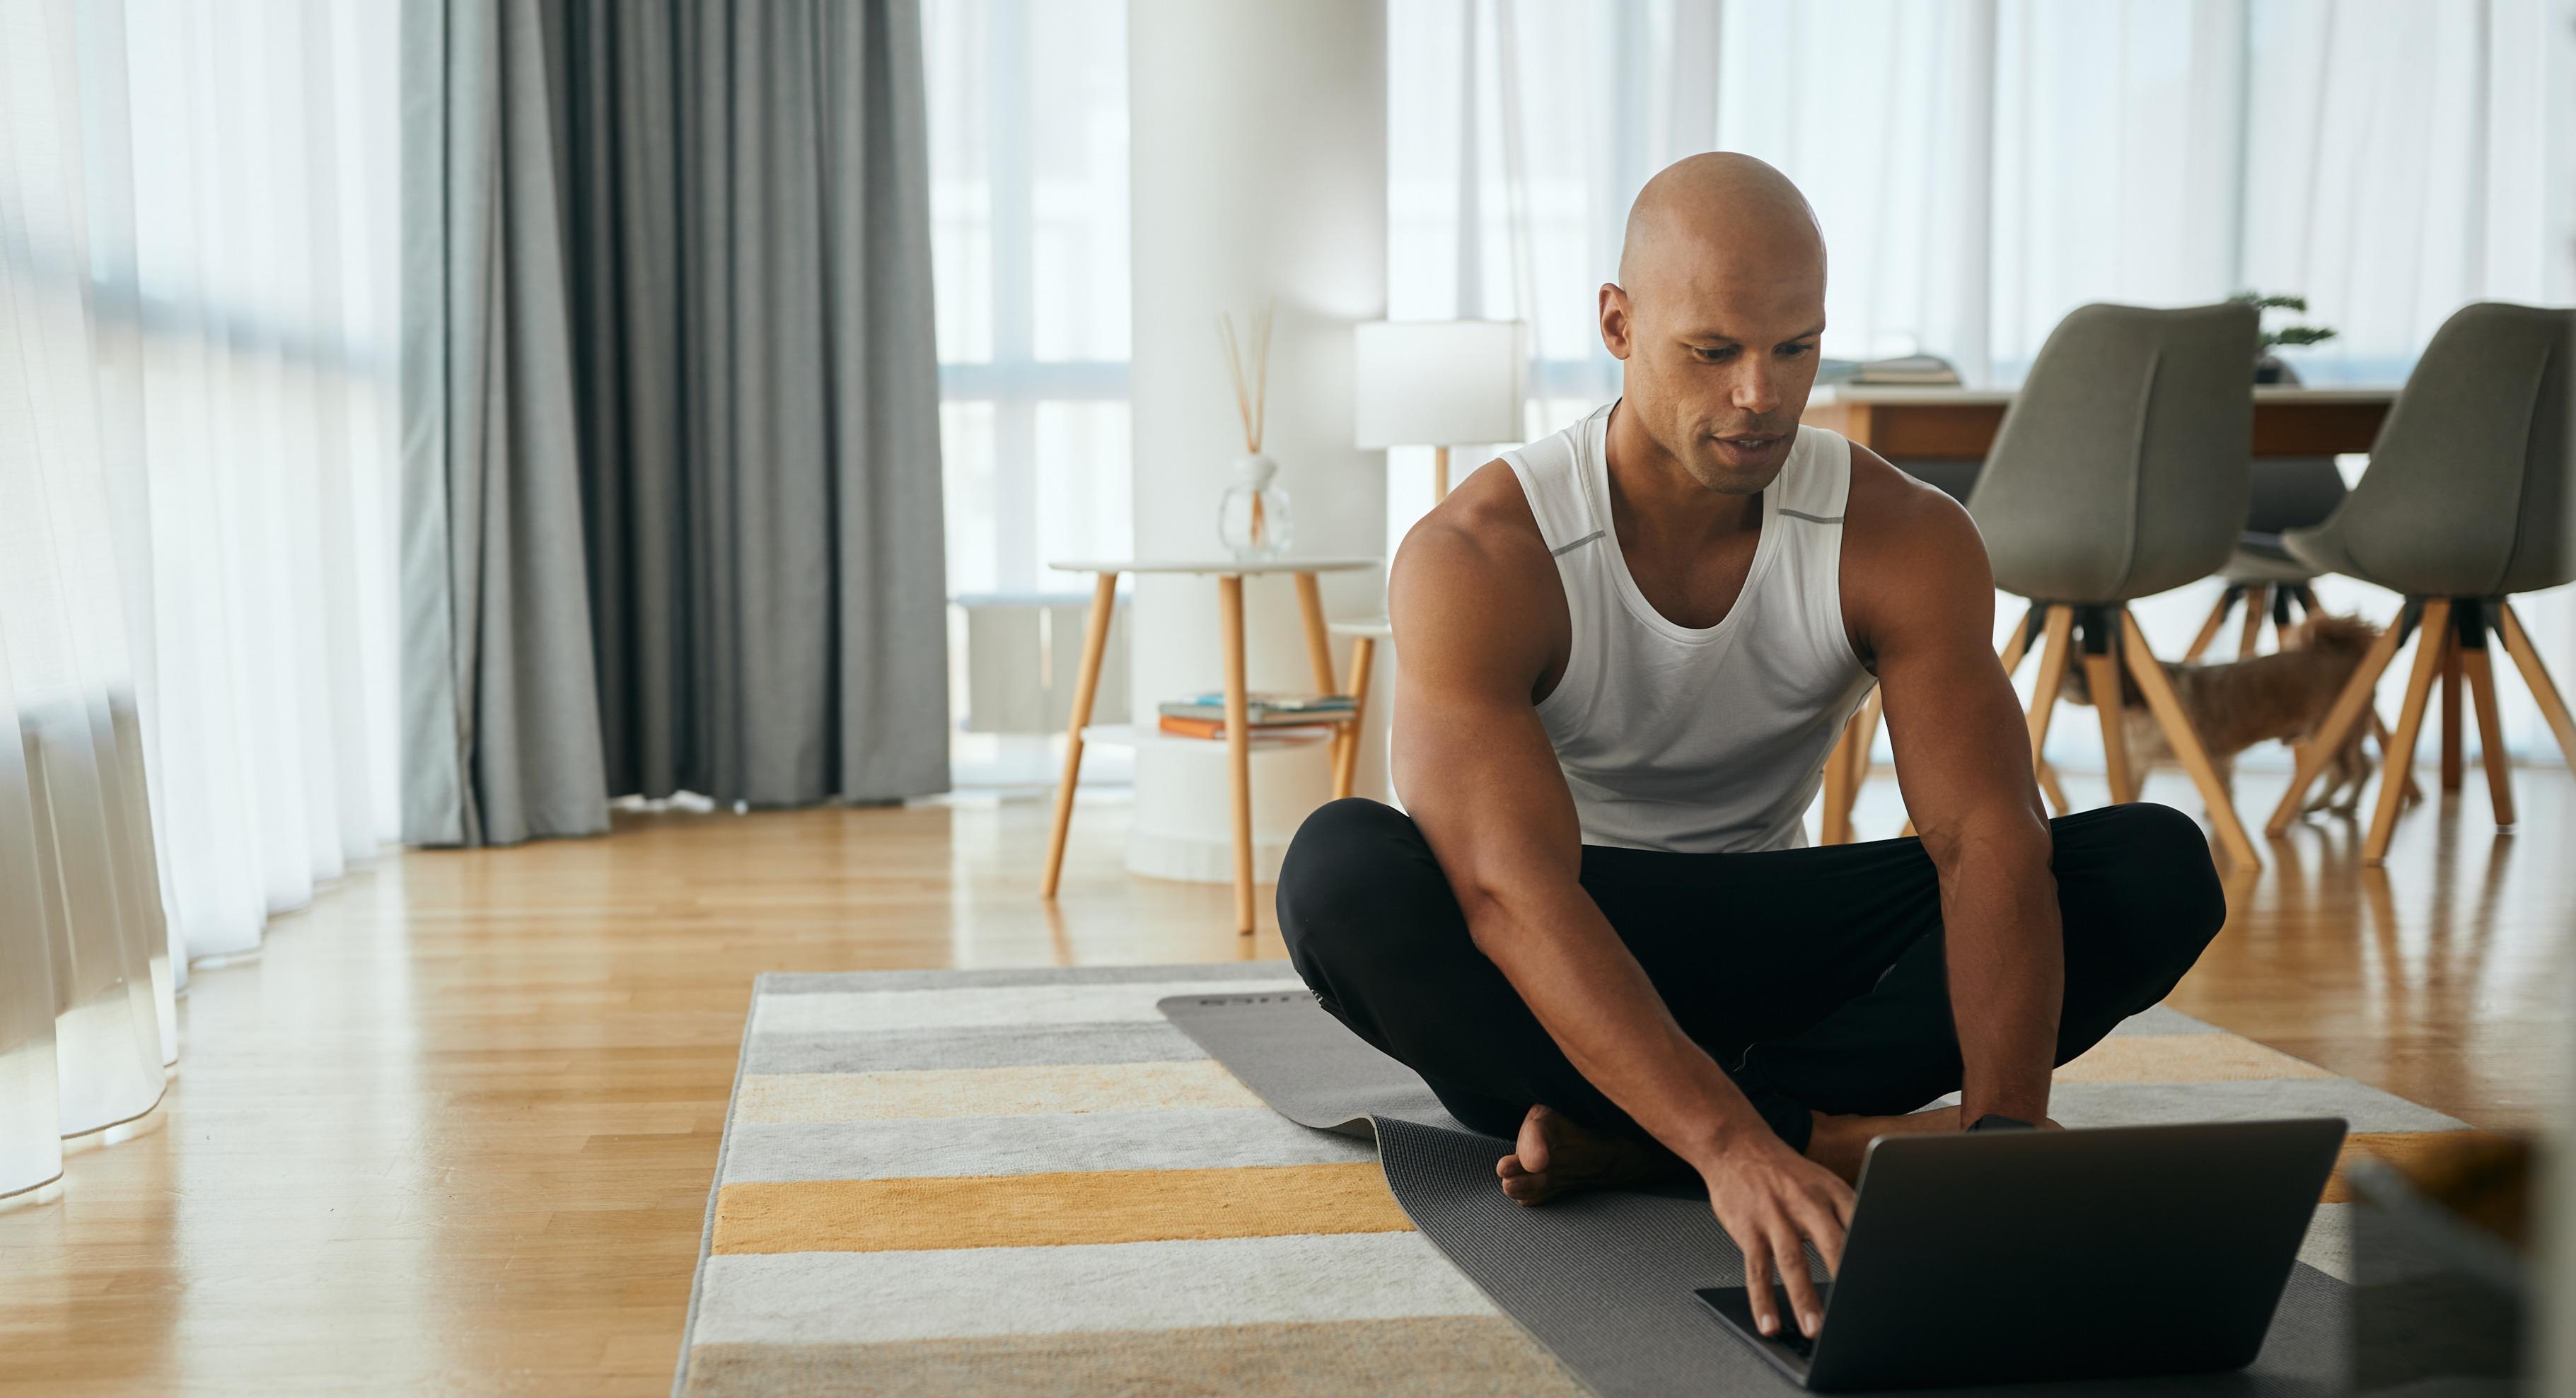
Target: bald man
1627 651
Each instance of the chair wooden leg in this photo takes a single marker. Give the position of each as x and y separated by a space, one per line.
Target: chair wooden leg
2060 626
1346 760
2102 676
1835 821
1867 735
2479 669
1086 683
2535 676
2217 618
2017 644
2410 726
2185 742
2451 745
2322 745
2258 604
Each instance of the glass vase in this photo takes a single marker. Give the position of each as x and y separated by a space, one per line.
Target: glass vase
1252 520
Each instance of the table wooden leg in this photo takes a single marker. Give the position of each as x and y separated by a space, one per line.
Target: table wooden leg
1319 643
1095 639
1346 761
1238 744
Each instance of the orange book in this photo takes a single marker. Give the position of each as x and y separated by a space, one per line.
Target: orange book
1215 728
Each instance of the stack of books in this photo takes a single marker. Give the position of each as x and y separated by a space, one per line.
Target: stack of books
1923 369
1268 715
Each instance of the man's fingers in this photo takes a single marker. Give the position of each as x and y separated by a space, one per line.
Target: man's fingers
1793 1273
1825 1230
1757 1284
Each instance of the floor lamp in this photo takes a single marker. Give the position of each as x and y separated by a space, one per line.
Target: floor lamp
1436 382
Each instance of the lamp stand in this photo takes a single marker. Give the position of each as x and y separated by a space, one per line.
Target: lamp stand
1439 474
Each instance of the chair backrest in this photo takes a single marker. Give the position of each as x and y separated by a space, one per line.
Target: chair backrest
2121 469
2467 491
2293 492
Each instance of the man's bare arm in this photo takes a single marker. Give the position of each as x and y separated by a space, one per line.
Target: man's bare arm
1476 606
1921 594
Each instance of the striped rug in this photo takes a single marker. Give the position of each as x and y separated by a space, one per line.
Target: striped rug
996 1181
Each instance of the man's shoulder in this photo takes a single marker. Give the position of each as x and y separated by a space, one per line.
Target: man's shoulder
1893 515
1485 530
1475 573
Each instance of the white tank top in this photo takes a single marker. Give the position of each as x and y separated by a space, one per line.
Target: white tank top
1697 739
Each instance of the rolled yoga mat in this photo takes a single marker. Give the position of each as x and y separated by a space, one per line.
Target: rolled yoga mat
1604 1279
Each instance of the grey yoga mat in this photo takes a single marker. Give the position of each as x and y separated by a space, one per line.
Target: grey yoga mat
1604 1279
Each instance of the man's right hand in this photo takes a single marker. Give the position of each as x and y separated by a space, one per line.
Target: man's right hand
1771 1200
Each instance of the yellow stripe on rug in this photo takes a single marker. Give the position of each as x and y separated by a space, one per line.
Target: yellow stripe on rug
2184 1058
1056 1088
1088 1206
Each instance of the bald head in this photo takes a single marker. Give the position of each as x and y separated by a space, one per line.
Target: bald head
1717 313
1718 206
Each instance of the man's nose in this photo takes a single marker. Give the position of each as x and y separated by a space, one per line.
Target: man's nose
1757 387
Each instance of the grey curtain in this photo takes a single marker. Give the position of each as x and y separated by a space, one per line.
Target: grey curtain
692 540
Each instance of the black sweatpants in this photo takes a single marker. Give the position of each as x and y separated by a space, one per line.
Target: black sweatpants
1813 976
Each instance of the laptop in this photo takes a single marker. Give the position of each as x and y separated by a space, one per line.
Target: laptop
2004 1257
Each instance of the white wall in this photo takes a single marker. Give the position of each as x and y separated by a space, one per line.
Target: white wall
1257 170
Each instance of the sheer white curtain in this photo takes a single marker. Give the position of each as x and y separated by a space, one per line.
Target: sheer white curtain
1983 166
1028 197
194 215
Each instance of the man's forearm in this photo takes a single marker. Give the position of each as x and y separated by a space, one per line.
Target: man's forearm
1593 998
2007 962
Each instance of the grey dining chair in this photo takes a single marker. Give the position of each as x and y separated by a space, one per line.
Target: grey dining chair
2289 492
2465 504
2120 472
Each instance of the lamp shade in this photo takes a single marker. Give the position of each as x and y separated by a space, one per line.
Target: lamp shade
1436 383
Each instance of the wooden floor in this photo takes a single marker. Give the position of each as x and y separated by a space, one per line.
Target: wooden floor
453 1130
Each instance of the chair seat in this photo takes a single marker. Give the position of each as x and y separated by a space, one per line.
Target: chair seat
2263 558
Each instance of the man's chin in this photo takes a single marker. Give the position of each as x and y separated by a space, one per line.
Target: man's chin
1727 479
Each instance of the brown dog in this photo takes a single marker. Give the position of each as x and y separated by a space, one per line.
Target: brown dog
2235 704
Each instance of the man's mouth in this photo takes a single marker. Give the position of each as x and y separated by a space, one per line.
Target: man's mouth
1748 443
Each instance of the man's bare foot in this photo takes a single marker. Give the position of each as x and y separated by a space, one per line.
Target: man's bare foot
1554 1156
1839 1142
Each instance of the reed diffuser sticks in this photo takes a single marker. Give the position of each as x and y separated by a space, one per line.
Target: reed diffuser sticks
1251 400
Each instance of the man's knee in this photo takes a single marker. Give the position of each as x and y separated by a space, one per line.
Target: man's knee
1360 885
2158 891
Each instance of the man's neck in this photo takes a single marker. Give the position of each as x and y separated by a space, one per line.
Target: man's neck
1657 504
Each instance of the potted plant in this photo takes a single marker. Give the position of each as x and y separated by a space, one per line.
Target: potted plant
2268 367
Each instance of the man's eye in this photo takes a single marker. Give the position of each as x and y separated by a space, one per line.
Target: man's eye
1793 351
1710 356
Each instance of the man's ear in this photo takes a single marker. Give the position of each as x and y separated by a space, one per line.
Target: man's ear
1618 326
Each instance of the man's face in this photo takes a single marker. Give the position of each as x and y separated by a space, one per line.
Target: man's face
1720 351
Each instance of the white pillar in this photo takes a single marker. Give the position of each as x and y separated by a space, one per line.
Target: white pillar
1257 171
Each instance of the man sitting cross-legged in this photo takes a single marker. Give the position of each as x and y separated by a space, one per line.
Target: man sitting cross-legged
1627 650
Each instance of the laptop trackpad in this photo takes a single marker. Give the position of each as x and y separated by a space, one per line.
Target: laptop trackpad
1789 1349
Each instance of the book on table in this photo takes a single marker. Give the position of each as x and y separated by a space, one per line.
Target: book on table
1265 714
1215 728
1261 708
